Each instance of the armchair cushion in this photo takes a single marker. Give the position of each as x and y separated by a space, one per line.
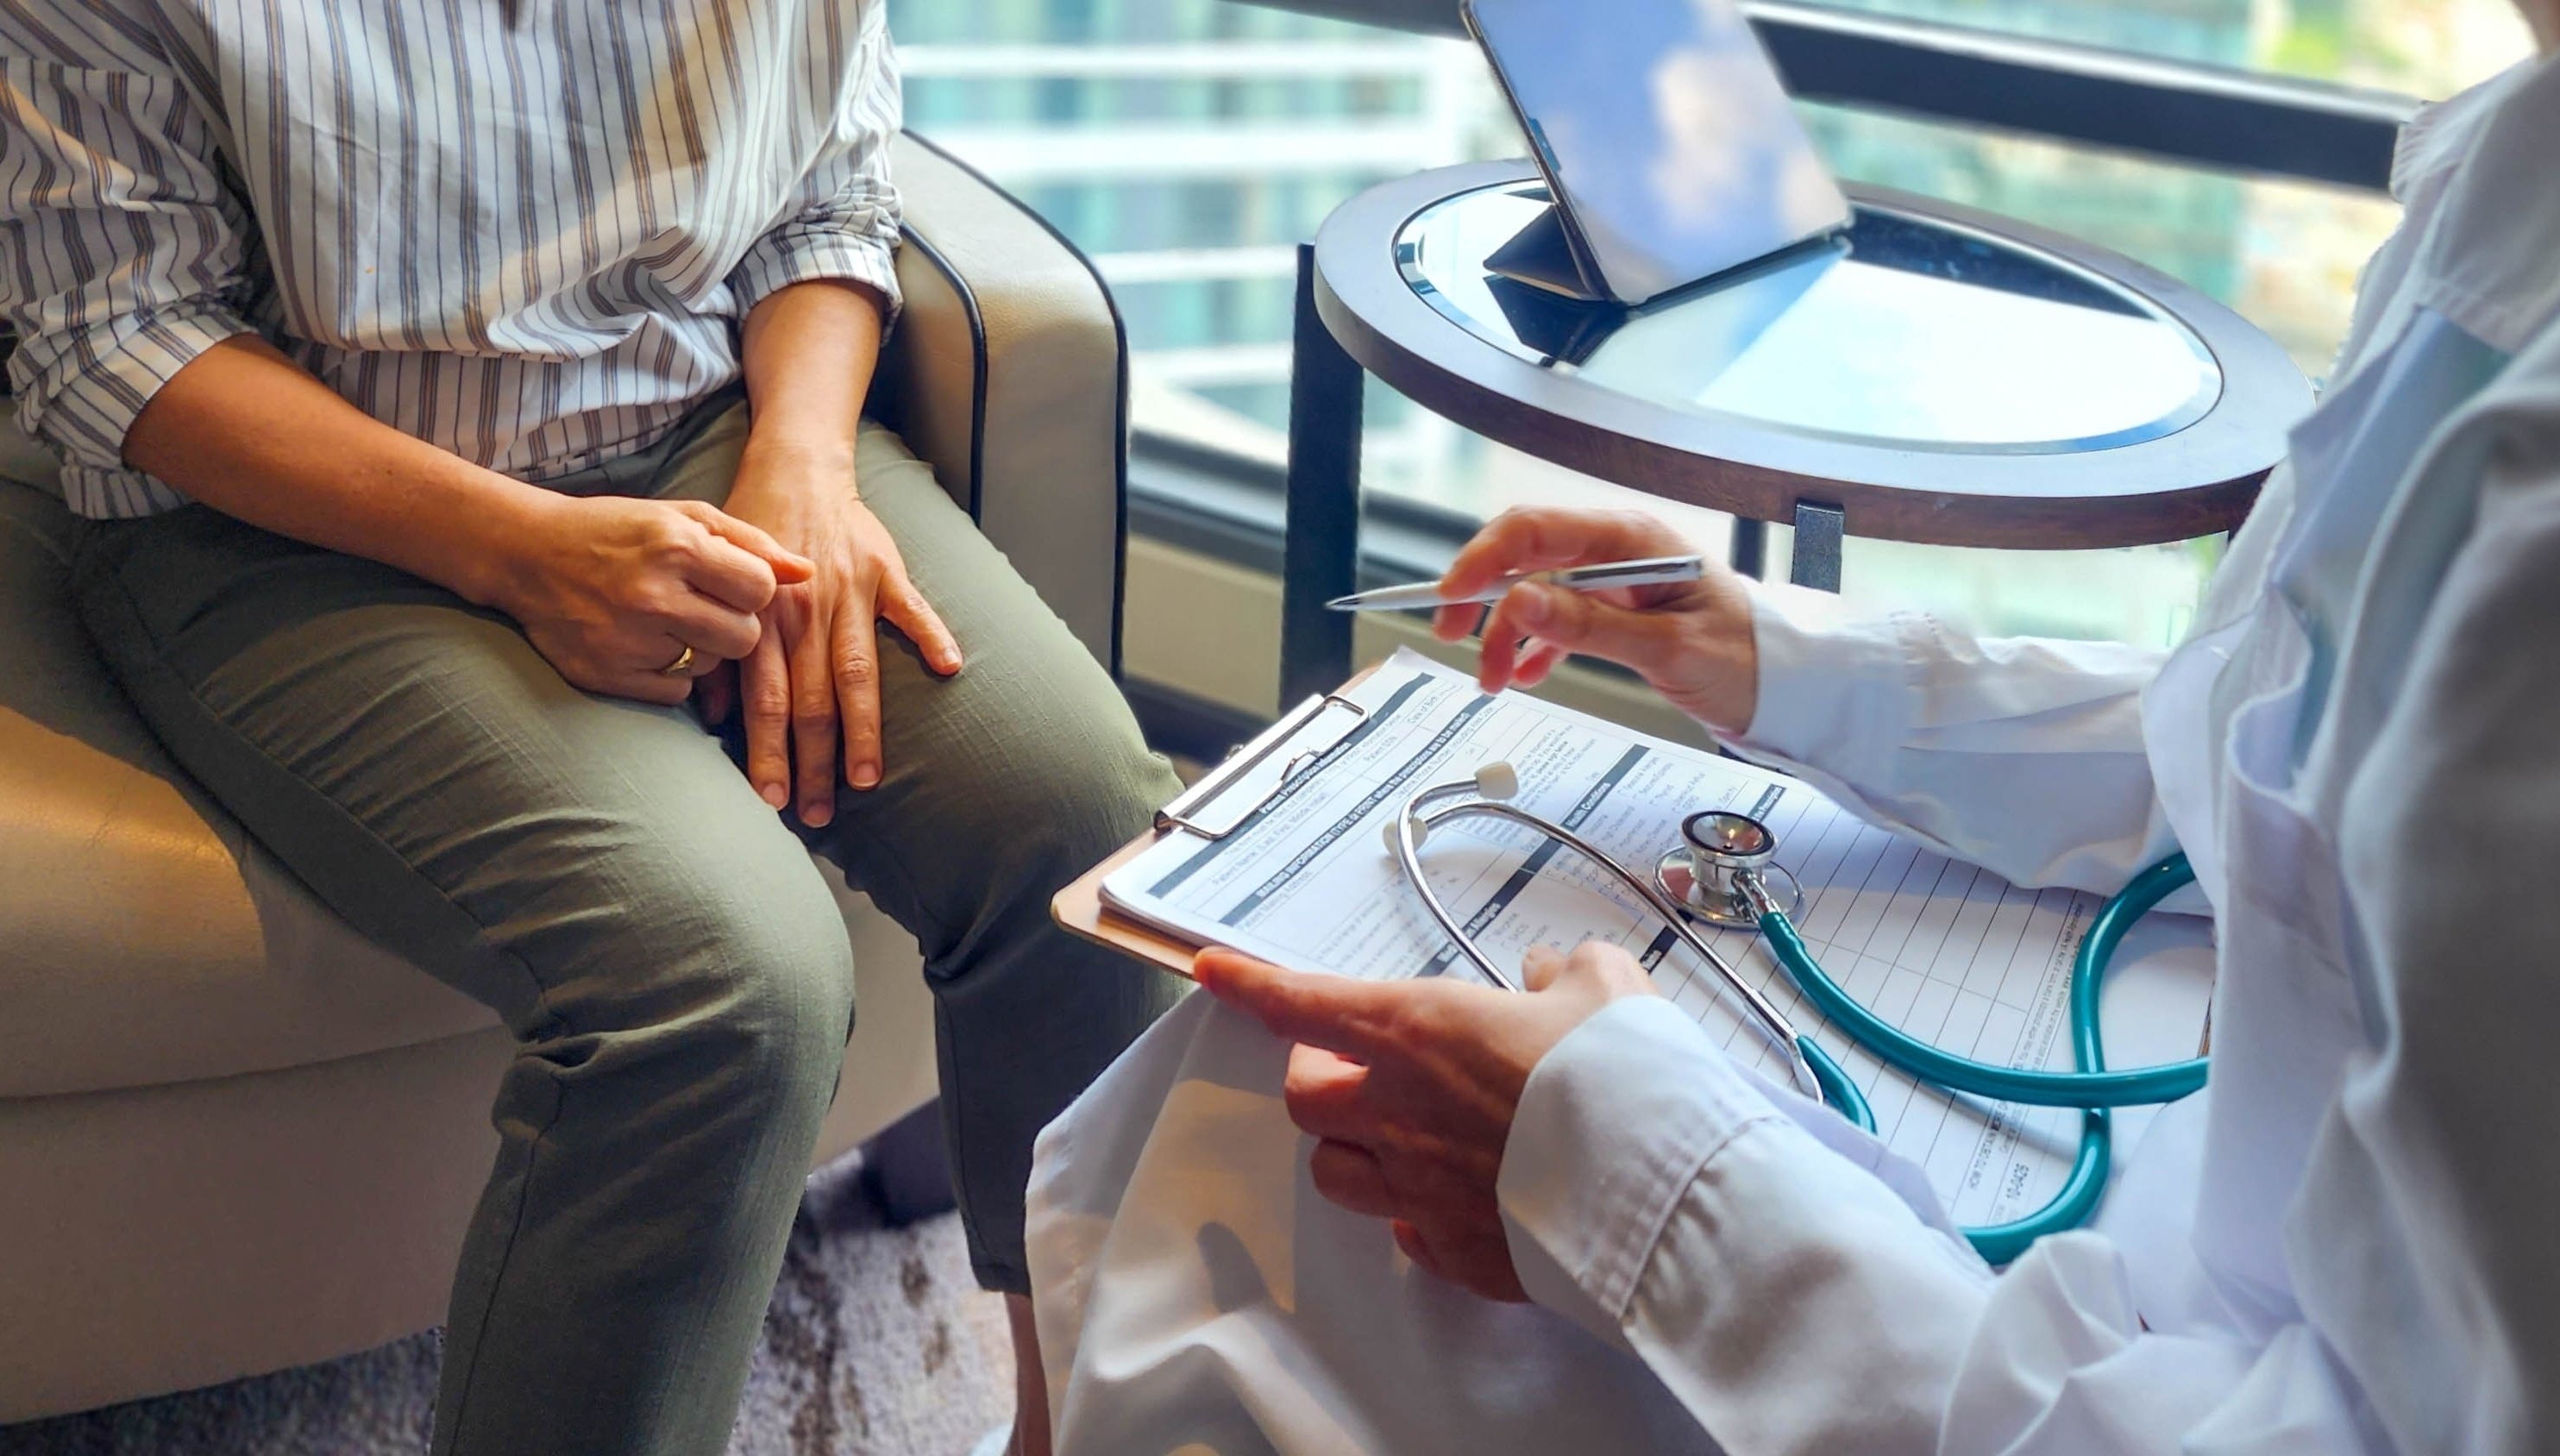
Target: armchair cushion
143 937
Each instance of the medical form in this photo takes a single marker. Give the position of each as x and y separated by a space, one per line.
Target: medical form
1945 950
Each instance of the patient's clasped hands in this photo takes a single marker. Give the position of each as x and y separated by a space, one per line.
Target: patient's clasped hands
610 589
810 686
1411 1087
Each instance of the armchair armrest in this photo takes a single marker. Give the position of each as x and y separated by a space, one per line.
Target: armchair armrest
1009 374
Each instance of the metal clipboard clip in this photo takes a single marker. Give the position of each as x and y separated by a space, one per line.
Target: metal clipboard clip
1177 815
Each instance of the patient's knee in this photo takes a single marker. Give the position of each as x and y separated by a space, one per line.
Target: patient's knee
1058 803
732 982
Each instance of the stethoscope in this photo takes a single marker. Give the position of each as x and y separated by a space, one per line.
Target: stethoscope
1719 875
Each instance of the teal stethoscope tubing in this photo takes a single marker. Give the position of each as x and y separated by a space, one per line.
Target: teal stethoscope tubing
2090 1088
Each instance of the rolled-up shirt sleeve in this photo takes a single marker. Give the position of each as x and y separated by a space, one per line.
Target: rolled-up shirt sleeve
120 247
845 221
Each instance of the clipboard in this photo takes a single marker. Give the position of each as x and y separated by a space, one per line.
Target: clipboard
1079 910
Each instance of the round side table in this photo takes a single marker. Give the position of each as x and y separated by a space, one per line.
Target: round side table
1938 375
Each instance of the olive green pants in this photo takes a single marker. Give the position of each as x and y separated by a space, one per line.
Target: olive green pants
674 971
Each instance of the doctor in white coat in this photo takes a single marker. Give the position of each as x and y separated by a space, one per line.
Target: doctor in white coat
1319 1241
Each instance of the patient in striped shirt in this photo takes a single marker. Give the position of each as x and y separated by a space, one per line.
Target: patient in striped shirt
463 401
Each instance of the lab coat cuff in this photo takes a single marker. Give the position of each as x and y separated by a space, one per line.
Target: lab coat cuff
1612 1126
1835 694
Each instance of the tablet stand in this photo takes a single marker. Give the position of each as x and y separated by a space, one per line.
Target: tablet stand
1546 255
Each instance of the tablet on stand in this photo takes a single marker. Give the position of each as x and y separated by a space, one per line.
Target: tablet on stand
1672 154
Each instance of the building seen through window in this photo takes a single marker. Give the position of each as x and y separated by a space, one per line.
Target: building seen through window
1188 146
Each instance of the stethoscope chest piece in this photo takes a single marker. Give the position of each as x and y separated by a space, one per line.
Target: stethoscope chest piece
1716 846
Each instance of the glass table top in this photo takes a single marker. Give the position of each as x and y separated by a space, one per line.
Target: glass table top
1912 333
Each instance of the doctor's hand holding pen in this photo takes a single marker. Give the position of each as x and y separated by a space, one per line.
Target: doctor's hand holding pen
1689 640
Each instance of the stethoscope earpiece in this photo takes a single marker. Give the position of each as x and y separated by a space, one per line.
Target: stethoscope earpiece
1495 780
1395 845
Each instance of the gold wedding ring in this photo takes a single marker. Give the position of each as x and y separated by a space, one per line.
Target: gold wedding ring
683 664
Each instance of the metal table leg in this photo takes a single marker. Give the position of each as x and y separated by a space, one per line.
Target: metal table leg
1320 547
1816 561
1750 554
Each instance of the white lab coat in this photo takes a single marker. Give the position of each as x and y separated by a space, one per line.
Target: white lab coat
2346 1244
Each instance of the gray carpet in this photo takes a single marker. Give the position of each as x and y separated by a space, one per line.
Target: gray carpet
878 1344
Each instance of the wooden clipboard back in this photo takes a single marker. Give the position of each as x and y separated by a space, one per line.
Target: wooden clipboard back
1078 908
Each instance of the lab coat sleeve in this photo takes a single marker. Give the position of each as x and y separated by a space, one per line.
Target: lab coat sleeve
2429 1201
1657 1197
2024 755
1791 1285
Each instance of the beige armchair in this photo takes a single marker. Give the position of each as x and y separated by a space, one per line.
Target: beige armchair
236 1137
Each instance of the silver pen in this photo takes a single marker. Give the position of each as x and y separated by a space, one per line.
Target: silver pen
1598 577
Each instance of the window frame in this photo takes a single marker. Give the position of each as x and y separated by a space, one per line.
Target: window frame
2183 111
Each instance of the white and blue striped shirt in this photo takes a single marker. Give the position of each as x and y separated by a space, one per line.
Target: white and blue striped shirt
521 231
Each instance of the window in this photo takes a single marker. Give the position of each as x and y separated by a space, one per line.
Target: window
1190 145
2424 47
